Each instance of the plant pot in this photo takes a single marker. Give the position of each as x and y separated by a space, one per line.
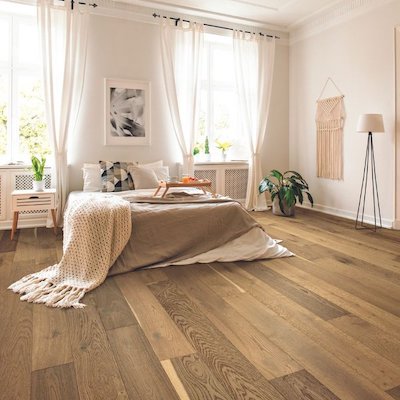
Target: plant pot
38 186
288 211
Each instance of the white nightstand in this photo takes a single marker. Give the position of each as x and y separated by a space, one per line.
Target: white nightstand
29 200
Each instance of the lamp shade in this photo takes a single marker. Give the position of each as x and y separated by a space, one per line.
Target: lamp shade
370 123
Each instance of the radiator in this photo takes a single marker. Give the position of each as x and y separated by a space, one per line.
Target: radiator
229 179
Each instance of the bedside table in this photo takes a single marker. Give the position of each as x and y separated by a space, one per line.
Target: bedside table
29 200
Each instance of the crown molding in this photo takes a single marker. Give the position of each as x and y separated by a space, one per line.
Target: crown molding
342 11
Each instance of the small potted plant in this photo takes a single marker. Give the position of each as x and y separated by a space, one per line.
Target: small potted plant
286 189
223 146
38 172
207 149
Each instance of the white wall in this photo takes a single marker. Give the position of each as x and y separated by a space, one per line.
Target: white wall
126 49
359 56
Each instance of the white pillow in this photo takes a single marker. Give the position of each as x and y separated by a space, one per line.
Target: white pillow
143 178
154 164
91 178
161 172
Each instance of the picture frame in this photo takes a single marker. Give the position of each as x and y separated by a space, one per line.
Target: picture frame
127 112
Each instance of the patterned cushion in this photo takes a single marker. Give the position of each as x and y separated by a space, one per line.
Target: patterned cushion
115 176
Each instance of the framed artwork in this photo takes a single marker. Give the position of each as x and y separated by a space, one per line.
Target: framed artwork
127 109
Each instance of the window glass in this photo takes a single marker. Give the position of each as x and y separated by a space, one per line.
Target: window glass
31 117
28 43
218 112
4 40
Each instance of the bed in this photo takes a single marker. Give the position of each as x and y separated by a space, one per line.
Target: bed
112 233
188 230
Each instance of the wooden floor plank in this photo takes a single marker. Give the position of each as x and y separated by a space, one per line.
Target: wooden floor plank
56 383
306 298
111 305
141 371
295 270
332 373
371 336
269 359
97 374
302 385
237 375
165 338
355 355
51 344
199 382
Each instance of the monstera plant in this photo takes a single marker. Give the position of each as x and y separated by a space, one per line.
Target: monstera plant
286 189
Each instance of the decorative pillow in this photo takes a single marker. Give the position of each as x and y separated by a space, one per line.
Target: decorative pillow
91 178
144 178
115 176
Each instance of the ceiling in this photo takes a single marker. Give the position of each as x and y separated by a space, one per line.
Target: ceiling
280 13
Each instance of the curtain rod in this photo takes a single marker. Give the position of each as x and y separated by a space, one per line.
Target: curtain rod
176 19
94 5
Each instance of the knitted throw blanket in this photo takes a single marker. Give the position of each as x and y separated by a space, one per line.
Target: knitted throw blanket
329 120
96 229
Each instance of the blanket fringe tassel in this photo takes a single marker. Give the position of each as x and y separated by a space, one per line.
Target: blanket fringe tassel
40 290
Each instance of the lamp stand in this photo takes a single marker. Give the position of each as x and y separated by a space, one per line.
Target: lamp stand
369 156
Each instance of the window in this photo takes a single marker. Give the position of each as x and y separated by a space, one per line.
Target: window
22 115
218 114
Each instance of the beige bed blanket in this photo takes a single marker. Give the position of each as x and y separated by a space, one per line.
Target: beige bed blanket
167 233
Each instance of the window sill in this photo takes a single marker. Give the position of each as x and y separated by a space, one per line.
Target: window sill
228 162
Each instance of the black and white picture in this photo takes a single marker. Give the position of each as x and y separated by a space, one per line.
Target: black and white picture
127 112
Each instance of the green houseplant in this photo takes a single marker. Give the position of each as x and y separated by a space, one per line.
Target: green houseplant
223 146
38 172
286 189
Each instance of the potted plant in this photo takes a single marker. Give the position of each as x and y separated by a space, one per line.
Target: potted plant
223 146
286 189
38 172
207 149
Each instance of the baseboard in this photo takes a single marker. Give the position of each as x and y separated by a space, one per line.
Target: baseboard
368 219
396 224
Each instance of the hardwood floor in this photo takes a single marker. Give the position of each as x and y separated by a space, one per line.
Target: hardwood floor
322 325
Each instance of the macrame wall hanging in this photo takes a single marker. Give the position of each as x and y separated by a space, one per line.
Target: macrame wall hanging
330 120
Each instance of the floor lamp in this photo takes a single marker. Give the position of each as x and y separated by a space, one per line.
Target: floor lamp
369 123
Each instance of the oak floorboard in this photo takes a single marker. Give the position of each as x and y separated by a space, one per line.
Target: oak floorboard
199 382
112 307
302 385
141 371
357 356
370 335
331 372
237 375
197 282
96 371
387 260
51 344
164 336
55 383
296 271
306 298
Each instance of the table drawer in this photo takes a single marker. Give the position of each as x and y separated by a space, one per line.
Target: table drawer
28 202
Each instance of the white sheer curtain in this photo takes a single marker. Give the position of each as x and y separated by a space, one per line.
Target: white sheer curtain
181 51
254 63
63 34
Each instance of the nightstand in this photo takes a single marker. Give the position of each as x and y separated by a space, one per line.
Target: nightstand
29 200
